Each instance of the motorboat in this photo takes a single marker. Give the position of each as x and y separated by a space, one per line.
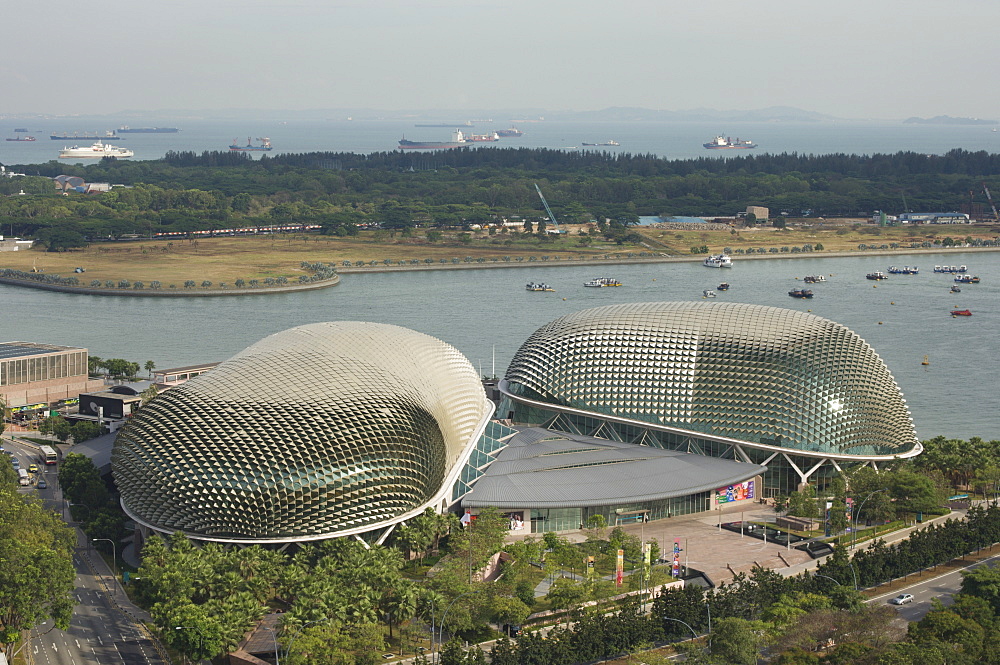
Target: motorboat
801 293
955 289
723 287
718 261
961 312
814 279
967 279
536 286
877 275
601 282
708 293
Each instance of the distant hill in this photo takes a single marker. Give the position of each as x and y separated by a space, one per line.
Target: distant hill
948 120
770 114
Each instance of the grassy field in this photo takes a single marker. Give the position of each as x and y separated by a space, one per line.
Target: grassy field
229 258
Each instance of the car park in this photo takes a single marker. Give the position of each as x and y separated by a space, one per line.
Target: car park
902 599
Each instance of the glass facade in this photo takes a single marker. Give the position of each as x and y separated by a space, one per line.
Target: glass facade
565 519
761 375
323 430
43 367
758 374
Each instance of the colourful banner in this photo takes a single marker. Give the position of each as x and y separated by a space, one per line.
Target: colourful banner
735 492
620 567
675 566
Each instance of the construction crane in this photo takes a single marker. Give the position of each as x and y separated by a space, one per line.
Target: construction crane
989 198
547 208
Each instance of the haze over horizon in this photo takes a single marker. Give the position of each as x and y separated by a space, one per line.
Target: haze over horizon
852 59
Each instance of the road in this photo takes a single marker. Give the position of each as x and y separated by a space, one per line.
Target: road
99 631
943 587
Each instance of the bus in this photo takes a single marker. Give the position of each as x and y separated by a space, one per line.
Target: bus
49 454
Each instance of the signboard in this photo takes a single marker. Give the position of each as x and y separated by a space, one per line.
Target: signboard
744 490
620 567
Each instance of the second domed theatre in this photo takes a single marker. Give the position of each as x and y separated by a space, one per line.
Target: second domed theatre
795 392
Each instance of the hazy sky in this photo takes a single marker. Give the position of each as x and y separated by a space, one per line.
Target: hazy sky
850 58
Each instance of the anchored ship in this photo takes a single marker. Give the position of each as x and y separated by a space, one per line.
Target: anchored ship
96 151
265 145
727 143
86 136
457 141
125 129
478 138
513 131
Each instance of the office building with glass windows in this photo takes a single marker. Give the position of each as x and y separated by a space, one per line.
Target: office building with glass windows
35 377
799 395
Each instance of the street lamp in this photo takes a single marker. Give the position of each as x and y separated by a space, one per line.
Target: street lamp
201 638
274 639
827 577
114 559
448 609
683 622
288 647
854 538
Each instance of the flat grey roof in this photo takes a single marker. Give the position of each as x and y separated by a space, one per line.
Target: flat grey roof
542 468
183 370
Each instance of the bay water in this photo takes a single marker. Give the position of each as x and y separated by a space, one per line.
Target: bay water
487 314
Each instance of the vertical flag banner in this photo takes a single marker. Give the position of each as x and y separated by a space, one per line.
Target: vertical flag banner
675 568
619 567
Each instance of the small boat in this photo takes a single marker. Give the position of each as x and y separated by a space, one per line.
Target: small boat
961 312
723 287
20 137
960 269
905 270
967 279
926 361
708 293
601 282
801 293
537 286
877 275
955 289
718 261
814 279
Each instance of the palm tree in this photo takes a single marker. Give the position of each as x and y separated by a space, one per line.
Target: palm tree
150 366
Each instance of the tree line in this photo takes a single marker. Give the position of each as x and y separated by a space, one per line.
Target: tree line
185 192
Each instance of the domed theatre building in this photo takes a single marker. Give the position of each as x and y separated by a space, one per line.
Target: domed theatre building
321 431
786 396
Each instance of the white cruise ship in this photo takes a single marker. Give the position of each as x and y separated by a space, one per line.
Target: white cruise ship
95 151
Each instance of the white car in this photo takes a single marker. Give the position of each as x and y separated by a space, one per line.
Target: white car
902 599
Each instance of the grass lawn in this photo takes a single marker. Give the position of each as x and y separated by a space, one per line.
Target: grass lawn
227 259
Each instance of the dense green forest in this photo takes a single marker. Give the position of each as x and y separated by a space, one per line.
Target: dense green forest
186 192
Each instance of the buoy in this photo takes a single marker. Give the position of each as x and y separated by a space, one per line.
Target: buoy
564 299
874 286
926 361
892 303
880 323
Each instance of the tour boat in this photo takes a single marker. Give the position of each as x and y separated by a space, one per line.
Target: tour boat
718 261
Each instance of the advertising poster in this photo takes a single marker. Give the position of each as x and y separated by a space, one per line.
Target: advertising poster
675 566
738 492
619 567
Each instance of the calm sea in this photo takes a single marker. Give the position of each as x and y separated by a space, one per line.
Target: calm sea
487 314
672 140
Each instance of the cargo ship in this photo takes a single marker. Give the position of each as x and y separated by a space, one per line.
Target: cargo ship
467 123
513 131
457 141
726 143
21 137
606 143
125 129
86 136
96 151
265 145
